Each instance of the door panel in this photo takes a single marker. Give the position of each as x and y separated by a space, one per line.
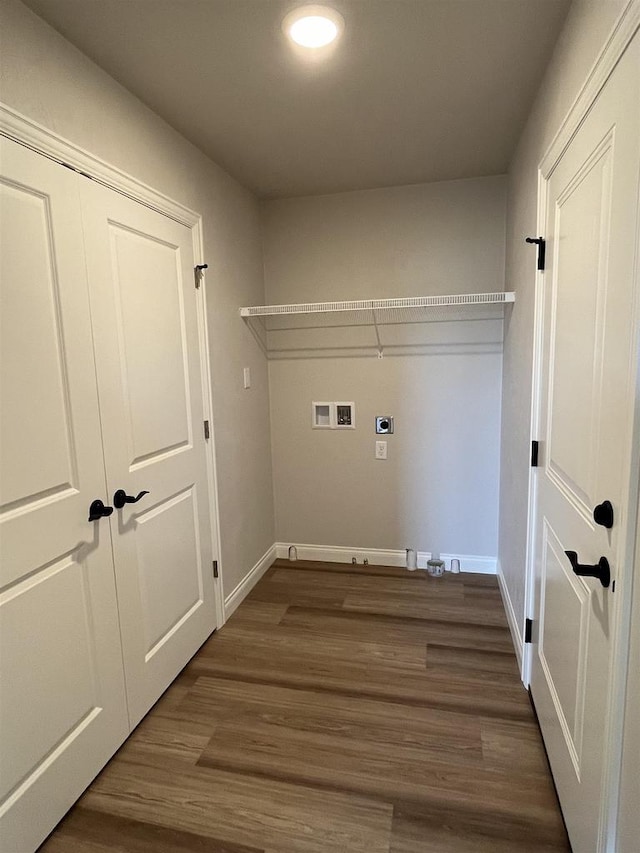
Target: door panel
564 615
62 703
143 304
580 235
167 537
33 356
28 622
147 276
587 394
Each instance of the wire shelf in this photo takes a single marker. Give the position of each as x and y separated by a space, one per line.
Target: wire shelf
313 326
358 305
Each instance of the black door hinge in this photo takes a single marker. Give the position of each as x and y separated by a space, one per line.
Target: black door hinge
215 568
541 244
528 630
207 431
535 448
198 270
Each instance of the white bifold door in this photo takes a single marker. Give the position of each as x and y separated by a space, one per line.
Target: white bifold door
586 481
101 400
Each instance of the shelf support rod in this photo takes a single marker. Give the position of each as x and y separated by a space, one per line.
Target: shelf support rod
375 326
262 343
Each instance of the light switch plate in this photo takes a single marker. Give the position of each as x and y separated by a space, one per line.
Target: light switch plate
381 449
246 374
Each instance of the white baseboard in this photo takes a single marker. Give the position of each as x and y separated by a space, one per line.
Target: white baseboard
473 564
335 554
382 557
516 636
235 598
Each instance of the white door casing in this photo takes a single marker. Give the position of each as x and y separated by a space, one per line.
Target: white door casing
62 701
586 426
143 300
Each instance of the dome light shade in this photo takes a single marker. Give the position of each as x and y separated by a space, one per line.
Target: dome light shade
313 26
314 31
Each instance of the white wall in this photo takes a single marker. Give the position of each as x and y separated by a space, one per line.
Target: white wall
438 490
45 77
586 30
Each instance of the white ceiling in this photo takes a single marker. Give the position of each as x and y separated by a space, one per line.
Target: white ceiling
414 91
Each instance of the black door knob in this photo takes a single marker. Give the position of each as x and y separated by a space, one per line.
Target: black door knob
603 514
99 510
121 498
601 570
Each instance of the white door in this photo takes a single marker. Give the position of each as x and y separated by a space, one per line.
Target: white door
62 703
586 427
143 302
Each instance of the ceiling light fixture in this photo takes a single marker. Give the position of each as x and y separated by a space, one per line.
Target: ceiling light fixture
313 26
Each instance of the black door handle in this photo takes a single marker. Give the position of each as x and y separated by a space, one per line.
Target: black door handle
601 570
603 514
99 510
121 498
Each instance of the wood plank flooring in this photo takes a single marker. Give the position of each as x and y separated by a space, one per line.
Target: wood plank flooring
341 708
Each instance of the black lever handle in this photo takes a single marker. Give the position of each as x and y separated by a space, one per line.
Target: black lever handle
121 498
601 570
99 510
603 514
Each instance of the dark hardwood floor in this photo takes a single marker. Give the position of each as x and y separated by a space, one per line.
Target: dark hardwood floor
341 709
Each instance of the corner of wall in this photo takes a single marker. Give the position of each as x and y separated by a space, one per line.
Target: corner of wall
242 589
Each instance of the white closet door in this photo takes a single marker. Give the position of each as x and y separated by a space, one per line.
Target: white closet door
143 304
62 703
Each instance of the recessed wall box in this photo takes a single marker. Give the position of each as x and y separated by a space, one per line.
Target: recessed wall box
322 415
384 424
345 416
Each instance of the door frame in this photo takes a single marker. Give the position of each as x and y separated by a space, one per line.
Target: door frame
20 128
623 32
